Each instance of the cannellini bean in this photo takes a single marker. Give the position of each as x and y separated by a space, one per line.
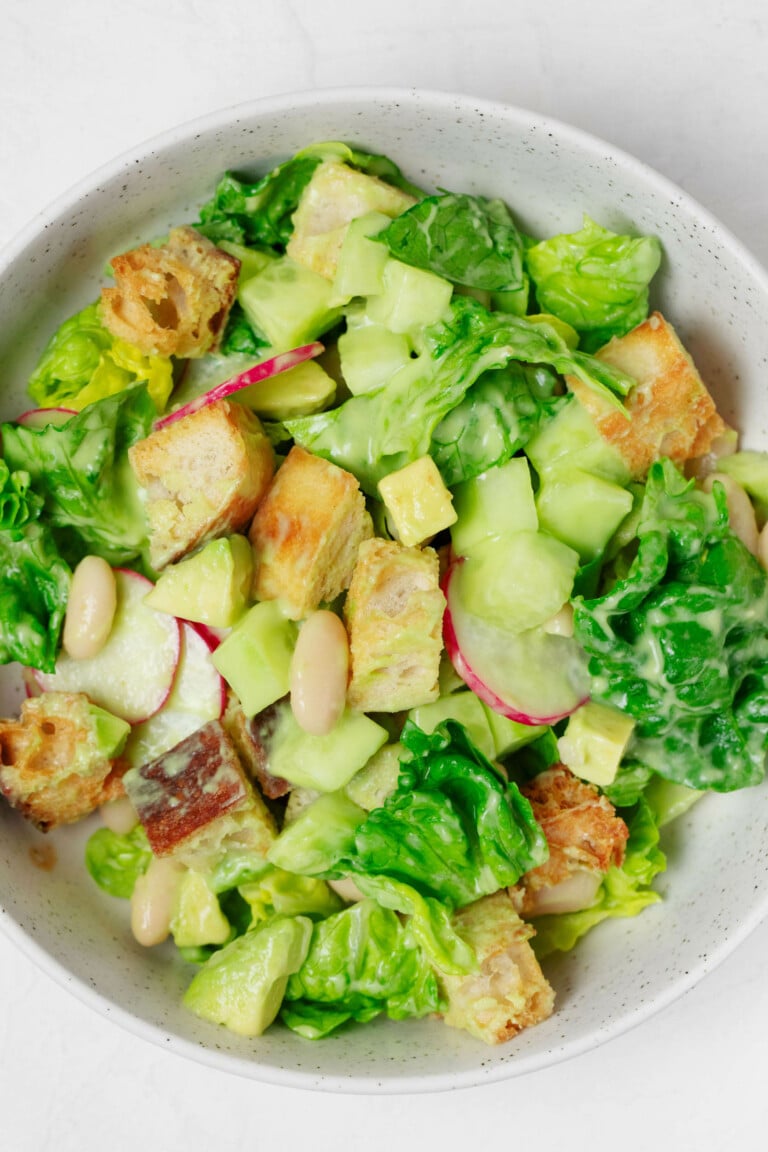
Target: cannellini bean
347 889
741 514
319 672
577 891
90 608
153 899
119 815
561 624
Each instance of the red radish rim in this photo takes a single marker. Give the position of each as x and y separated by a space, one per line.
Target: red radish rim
32 412
211 641
262 371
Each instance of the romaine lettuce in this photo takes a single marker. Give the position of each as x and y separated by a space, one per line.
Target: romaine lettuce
34 588
115 861
18 503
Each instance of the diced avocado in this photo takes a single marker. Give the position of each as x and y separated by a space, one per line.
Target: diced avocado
464 707
496 503
327 762
370 356
109 732
378 779
252 260
319 837
212 586
570 439
255 659
594 742
418 501
509 735
668 800
197 918
290 304
412 298
300 391
517 581
582 510
242 985
360 267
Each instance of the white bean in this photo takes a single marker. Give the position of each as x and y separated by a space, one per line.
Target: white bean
319 673
153 899
741 514
90 608
119 815
561 624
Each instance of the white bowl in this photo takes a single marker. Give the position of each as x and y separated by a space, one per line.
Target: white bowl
715 889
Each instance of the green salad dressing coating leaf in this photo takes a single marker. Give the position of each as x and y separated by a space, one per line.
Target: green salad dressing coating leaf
116 861
681 643
34 588
468 240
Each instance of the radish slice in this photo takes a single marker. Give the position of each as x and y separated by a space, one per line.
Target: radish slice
533 677
133 674
42 417
199 695
280 363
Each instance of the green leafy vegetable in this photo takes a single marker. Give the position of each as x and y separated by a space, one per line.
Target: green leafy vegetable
280 893
681 643
239 338
466 239
116 861
18 504
82 472
595 280
83 362
34 588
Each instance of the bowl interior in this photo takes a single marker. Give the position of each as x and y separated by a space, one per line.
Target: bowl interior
716 296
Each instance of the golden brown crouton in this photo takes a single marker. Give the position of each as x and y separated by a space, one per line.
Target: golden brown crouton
583 832
204 476
334 197
671 412
172 300
250 736
195 800
509 992
394 615
306 533
52 766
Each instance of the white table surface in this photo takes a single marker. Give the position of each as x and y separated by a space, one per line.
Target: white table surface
683 85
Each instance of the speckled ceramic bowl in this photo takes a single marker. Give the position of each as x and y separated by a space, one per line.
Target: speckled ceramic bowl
715 889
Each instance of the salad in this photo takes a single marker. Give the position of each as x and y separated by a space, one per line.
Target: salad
387 580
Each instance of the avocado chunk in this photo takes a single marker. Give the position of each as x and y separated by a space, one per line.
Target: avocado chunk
327 762
418 501
319 837
197 918
255 659
211 587
300 391
595 741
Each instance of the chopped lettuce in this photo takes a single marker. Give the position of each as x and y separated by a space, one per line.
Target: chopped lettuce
240 338
34 588
681 642
595 280
18 503
83 362
115 861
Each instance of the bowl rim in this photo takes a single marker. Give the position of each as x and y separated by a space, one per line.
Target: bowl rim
483 1073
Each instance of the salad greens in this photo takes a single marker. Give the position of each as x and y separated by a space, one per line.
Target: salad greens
34 587
116 860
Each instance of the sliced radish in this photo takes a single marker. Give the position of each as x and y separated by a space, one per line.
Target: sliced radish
280 363
212 636
133 674
42 417
534 677
199 694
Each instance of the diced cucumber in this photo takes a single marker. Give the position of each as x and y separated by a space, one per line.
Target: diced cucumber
412 298
252 260
570 439
517 582
370 356
290 304
327 762
255 659
360 269
509 735
496 503
582 510
467 710
300 391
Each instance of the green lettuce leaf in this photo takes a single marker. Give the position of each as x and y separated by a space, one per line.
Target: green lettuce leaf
239 337
81 470
18 503
595 280
34 588
83 362
681 643
116 861
468 240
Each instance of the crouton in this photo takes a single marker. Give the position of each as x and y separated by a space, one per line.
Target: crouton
334 197
204 476
509 992
250 736
306 533
60 760
394 616
195 802
670 410
172 300
584 835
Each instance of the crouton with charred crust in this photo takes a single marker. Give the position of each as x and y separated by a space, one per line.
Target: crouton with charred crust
251 736
60 760
509 991
306 533
394 615
195 802
671 413
172 300
204 476
585 838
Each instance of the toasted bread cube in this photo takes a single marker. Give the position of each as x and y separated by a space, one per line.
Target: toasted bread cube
394 616
306 533
172 300
671 413
336 195
251 737
418 501
204 476
60 760
196 801
509 992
